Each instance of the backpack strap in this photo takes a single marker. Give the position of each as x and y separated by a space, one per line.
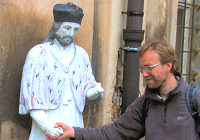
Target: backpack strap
191 103
145 107
187 99
193 99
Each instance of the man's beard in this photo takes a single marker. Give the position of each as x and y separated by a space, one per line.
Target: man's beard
65 41
157 83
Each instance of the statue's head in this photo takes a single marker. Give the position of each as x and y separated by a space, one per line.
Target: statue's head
67 20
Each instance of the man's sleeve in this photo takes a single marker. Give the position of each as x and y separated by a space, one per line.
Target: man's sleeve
128 126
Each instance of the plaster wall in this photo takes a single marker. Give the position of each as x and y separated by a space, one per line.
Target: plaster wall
160 21
195 58
109 24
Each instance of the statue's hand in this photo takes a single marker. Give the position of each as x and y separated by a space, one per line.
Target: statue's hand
54 131
95 92
68 132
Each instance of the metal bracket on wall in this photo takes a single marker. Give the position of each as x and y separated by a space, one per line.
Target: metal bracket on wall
133 13
129 49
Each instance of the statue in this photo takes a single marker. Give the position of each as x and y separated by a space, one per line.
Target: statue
57 77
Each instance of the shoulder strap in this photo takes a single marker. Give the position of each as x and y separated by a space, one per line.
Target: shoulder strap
145 107
190 100
193 106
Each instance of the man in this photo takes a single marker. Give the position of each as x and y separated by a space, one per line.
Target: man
168 117
57 76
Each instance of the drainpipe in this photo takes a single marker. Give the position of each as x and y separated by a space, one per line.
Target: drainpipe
133 36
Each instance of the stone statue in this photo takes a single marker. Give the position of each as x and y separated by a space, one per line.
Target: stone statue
57 77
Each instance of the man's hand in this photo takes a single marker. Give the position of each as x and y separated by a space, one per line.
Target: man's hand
68 132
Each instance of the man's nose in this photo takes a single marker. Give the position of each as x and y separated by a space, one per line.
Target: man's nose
144 73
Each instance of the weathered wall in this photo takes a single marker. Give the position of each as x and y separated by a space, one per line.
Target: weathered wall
109 22
23 24
160 21
195 65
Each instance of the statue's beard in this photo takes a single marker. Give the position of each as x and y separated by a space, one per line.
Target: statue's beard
65 41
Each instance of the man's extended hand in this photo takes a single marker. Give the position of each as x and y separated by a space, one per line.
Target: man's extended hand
68 132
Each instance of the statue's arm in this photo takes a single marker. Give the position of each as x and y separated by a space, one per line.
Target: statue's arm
42 120
94 89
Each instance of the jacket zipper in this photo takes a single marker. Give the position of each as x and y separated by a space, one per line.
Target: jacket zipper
165 112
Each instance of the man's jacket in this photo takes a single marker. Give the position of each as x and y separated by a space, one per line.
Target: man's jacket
166 120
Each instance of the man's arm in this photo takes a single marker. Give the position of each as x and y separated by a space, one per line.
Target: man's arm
128 126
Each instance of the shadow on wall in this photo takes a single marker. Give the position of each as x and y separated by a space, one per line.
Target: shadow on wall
21 30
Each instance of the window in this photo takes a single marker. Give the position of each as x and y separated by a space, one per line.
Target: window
185 38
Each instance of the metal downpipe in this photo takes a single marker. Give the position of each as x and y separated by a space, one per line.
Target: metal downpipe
133 36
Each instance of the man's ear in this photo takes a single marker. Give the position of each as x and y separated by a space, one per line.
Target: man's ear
169 66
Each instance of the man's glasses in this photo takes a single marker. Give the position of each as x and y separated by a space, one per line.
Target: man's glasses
147 69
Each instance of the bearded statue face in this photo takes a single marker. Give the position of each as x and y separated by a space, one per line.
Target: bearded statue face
66 33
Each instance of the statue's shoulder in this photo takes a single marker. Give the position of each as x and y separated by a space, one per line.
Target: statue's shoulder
38 50
81 51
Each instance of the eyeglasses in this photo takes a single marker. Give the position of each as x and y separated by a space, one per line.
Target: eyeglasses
148 69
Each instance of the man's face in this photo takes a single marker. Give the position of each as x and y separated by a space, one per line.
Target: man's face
158 75
66 33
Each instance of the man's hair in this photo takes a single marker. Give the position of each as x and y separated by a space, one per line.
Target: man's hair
165 51
52 33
